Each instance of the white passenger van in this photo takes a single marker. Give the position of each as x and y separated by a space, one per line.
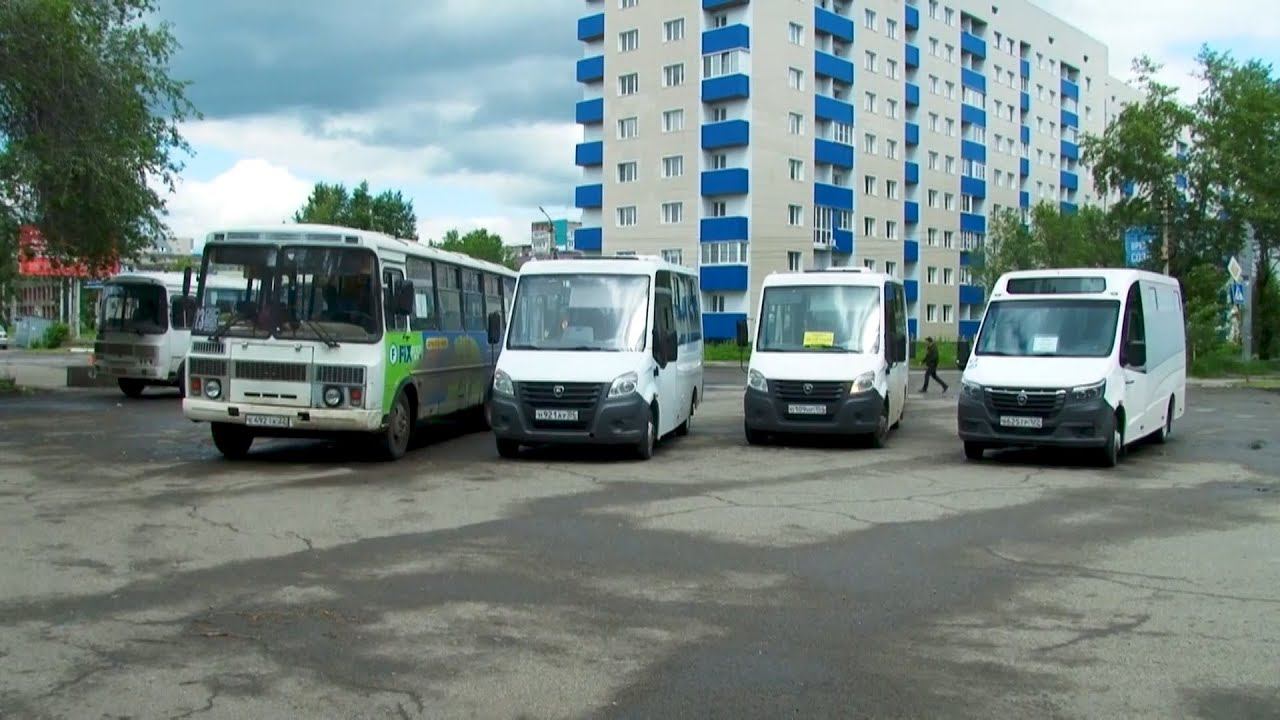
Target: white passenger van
830 356
143 334
604 351
1076 358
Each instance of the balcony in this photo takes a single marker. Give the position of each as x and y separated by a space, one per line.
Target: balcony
716 278
973 79
911 212
912 17
971 295
1025 102
973 115
721 4
1024 199
913 328
970 222
832 196
721 326
912 56
973 44
970 150
912 289
588 196
723 229
1024 167
588 239
730 133
842 241
969 328
973 186
1025 135
1070 119
912 134
836 68
1070 150
589 154
1069 180
591 27
966 258
1068 208
591 69
1025 68
829 108
911 251
825 21
1070 89
590 112
726 87
832 153
913 95
730 37
731 181
911 173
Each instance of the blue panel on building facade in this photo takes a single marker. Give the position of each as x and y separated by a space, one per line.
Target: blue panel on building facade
826 65
588 196
912 17
833 153
1026 135
1069 180
966 258
832 196
911 212
1026 68
591 27
589 154
1024 199
1070 119
1026 102
731 133
973 186
1128 188
726 87
1024 167
911 173
912 134
721 4
973 44
969 328
912 56
825 21
970 150
591 69
973 115
721 326
1070 89
590 112
1068 208
722 229
1070 150
913 327
912 289
973 79
730 37
731 181
723 277
588 239
842 241
828 108
973 223
913 94
971 295
911 251
1180 181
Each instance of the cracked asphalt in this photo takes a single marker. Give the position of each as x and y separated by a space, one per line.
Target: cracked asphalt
144 577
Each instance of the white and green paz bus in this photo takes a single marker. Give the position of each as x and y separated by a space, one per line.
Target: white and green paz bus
335 331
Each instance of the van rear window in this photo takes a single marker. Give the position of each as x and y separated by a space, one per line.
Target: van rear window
1056 286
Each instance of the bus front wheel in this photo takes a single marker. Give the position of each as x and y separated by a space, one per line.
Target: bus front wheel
233 441
393 442
131 387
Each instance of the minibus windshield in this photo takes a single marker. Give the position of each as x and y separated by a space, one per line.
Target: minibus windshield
1050 328
580 312
134 307
821 318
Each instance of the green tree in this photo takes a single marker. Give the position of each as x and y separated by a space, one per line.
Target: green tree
1009 246
1052 239
89 126
479 244
388 212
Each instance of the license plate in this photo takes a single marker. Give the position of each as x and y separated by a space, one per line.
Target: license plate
555 415
269 421
806 409
1021 421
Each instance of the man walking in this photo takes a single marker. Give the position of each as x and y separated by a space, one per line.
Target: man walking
931 365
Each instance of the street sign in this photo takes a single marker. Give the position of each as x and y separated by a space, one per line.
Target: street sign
1137 247
1237 293
1233 267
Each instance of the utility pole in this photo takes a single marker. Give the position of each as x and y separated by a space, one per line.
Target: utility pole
1164 242
551 228
1246 310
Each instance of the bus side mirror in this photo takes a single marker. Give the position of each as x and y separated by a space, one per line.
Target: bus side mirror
186 282
1135 354
495 328
742 333
404 298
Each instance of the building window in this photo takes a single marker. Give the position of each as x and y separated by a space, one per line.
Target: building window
868 227
628 128
891 109
932 236
869 144
949 202
673 166
627 216
871 62
931 313
628 41
628 84
794 260
947 314
891 230
966 203
951 165
724 253
933 160
719 208
931 276
891 28
949 240
717 303
933 198
673 75
673 30
675 256
948 276
672 213
796 124
891 189
869 19
797 169
624 4
869 264
795 215
842 132
627 172
719 161
795 78
891 149
891 69
725 63
869 185
672 121
869 103
719 20
795 31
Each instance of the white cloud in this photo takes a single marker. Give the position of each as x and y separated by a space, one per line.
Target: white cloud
253 191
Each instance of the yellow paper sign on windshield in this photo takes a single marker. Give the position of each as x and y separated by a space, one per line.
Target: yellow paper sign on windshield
819 339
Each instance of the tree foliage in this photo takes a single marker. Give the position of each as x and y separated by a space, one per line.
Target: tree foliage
1052 239
479 244
89 125
388 212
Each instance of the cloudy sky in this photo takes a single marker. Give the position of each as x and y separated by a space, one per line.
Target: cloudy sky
467 107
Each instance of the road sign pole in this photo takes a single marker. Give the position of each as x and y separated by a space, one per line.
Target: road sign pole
1246 309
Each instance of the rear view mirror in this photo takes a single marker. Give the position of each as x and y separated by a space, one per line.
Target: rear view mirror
404 298
743 340
186 281
495 328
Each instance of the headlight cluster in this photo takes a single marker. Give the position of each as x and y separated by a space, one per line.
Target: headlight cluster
756 381
624 385
213 389
502 384
864 383
971 390
1085 393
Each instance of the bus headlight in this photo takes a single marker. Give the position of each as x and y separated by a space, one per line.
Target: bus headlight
624 385
865 383
502 384
971 390
212 389
332 396
1085 393
756 381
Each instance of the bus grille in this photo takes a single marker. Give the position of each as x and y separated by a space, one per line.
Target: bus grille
818 391
340 374
112 349
571 395
270 371
207 366
1026 402
204 347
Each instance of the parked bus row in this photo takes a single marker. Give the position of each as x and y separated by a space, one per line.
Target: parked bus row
314 331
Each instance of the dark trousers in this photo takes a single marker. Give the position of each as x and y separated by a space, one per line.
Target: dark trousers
932 372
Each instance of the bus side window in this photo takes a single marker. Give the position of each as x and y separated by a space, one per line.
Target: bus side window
695 308
425 317
1135 330
391 281
493 298
450 298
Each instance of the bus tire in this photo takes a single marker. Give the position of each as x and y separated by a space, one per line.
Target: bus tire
182 380
393 441
131 387
233 441
645 448
974 452
880 437
508 449
1166 431
687 425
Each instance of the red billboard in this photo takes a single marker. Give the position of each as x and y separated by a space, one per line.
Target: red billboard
32 261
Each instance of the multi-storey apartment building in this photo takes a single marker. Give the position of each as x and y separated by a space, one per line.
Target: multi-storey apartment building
751 136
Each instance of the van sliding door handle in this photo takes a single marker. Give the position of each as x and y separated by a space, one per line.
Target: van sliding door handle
1129 382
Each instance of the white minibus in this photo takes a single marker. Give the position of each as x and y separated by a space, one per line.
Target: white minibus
830 356
1075 358
604 351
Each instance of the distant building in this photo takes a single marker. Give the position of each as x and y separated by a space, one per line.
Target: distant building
558 234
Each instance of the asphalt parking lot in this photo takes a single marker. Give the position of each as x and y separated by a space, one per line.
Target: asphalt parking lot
145 577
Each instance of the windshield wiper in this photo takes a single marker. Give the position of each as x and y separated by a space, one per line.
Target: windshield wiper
225 327
324 335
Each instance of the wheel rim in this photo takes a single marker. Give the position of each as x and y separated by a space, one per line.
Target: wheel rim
400 425
882 427
649 433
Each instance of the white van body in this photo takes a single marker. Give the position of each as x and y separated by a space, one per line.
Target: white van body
1076 358
584 359
830 355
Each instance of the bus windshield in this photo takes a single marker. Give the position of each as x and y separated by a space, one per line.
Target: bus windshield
290 292
605 313
1050 328
133 307
821 318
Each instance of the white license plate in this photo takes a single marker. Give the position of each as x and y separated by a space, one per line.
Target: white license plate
555 415
268 421
1021 421
806 409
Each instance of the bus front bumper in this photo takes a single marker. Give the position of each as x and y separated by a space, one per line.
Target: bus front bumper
132 371
852 415
616 421
274 419
1085 425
